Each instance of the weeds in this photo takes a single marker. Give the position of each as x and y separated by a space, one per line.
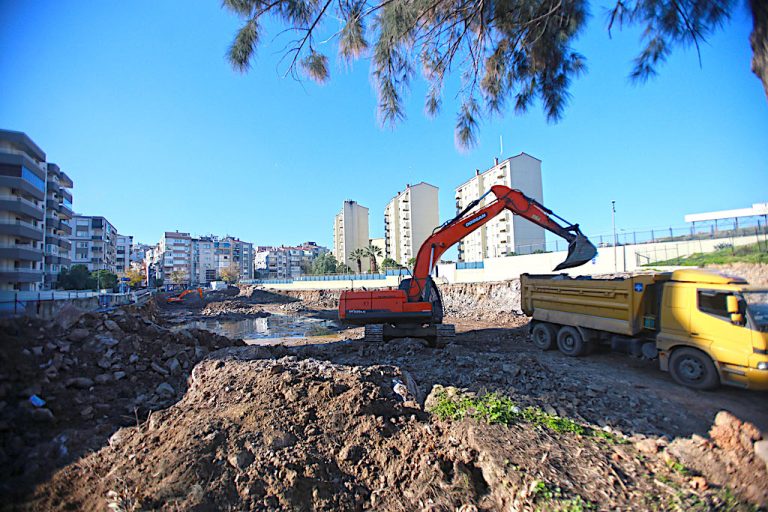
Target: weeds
493 408
553 499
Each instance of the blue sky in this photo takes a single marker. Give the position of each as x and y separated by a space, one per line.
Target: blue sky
136 102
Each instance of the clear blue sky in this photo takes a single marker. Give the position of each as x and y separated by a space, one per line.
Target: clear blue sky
136 102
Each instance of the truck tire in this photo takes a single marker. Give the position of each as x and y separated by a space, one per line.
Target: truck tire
570 342
694 369
544 336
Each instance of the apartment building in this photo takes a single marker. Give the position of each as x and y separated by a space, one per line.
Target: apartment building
174 255
286 261
409 219
58 228
35 208
204 268
94 243
507 234
124 246
230 251
350 232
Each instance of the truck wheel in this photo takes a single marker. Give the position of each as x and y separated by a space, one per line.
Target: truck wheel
694 369
544 336
570 342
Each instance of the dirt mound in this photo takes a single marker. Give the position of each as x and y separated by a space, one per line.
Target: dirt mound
755 273
256 295
729 457
64 391
492 302
290 434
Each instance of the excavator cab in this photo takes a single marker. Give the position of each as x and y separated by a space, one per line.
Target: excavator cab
580 251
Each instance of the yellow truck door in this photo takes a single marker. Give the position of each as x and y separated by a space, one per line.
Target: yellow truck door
712 330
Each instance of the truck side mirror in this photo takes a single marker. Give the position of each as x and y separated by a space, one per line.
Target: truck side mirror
737 319
732 304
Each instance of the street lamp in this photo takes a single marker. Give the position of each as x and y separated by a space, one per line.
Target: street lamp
615 238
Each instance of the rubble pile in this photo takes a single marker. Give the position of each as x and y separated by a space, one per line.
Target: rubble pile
232 309
755 273
492 302
66 385
289 434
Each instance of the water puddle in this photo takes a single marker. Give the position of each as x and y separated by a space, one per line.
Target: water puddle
268 330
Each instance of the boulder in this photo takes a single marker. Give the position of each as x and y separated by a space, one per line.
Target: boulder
78 334
79 382
165 389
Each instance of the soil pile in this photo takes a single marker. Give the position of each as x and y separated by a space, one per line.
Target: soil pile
64 390
231 309
289 434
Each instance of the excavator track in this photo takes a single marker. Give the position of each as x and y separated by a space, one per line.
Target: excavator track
374 333
446 333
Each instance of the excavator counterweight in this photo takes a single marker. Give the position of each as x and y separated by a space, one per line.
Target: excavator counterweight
415 309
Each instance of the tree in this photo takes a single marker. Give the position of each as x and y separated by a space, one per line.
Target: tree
325 264
411 262
76 277
358 255
508 53
230 274
178 277
135 277
373 252
343 269
104 279
389 263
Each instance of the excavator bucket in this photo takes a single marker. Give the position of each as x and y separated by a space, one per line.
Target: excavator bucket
580 251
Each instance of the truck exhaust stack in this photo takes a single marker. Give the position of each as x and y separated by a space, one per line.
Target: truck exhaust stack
580 251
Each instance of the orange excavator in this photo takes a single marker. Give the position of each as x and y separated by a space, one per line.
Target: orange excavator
415 309
180 297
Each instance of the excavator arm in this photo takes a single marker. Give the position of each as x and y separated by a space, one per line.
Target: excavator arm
580 249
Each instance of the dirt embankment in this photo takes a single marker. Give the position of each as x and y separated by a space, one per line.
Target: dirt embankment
67 385
255 433
755 274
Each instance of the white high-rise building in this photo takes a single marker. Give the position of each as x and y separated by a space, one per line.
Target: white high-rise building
507 234
409 219
123 247
350 232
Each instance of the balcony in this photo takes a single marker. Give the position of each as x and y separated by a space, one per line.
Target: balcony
21 229
20 205
19 252
21 275
19 183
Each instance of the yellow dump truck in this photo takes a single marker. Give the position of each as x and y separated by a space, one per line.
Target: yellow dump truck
705 328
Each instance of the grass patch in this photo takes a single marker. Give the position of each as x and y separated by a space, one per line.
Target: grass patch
751 253
493 408
553 499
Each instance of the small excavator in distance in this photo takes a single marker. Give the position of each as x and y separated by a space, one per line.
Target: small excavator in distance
180 297
415 309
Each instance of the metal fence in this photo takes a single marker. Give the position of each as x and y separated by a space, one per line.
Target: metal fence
332 277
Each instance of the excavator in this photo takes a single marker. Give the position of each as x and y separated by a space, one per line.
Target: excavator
180 297
415 308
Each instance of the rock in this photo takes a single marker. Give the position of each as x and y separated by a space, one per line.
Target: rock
38 351
79 382
648 446
165 389
240 460
103 378
173 365
78 334
104 363
118 375
761 451
87 412
438 391
111 325
107 340
159 369
133 358
698 483
42 415
279 439
118 437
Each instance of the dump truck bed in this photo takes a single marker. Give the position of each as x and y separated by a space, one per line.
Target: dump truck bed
621 306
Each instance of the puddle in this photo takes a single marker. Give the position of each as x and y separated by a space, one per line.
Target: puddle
268 330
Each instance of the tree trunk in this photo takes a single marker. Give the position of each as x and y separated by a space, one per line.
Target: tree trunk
759 41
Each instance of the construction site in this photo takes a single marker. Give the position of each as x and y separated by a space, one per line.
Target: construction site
546 392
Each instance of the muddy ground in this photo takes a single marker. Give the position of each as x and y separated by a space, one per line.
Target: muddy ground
335 423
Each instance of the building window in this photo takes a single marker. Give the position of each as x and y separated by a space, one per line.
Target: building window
33 178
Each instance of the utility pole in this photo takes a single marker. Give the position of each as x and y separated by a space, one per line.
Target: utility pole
615 238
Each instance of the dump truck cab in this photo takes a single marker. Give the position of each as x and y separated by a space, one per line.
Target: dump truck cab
721 316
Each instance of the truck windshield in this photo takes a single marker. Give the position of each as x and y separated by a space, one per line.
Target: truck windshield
757 304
